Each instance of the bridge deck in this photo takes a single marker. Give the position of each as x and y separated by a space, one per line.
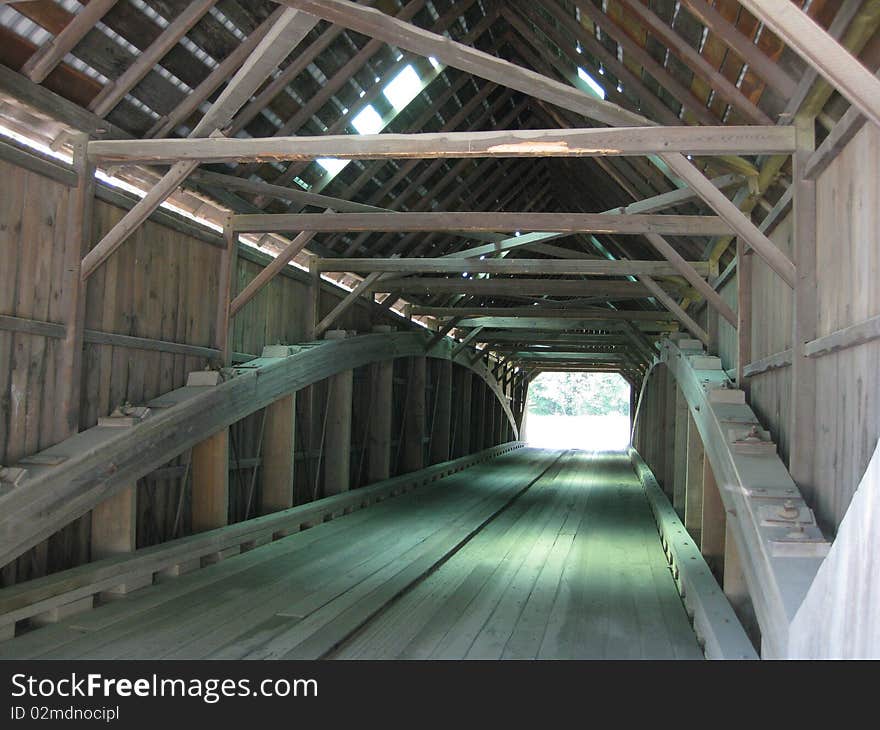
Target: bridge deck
543 554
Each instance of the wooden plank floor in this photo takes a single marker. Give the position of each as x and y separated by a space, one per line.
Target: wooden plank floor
538 554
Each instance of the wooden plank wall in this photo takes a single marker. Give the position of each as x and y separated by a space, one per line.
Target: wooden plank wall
848 381
162 284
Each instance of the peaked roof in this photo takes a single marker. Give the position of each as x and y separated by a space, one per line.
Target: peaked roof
152 67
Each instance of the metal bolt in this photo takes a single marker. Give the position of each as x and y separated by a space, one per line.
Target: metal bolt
789 511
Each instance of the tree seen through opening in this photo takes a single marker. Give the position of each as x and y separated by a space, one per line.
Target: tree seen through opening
578 411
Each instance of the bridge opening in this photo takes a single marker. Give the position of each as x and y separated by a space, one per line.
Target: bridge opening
578 410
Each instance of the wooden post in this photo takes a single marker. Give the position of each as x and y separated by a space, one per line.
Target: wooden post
77 240
442 420
743 310
337 440
314 309
712 329
463 411
278 450
226 283
414 429
114 532
713 523
114 524
803 371
669 419
693 509
210 482
478 415
679 489
735 587
380 415
489 425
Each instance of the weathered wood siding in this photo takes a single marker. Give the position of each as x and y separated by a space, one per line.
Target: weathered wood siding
848 392
847 421
162 285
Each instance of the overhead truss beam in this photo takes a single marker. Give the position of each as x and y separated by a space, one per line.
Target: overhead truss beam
587 142
637 224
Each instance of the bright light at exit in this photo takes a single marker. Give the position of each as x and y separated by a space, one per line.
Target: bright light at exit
571 410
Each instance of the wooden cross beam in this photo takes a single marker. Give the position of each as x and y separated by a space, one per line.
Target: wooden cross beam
470 337
596 314
406 36
48 56
556 267
733 38
648 205
810 41
588 142
637 224
725 88
518 287
345 304
114 91
223 71
673 306
288 31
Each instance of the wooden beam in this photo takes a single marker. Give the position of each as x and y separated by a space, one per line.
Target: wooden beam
749 52
743 312
851 336
538 324
518 287
458 55
441 334
812 43
78 237
805 316
673 306
462 424
598 142
290 29
727 210
380 417
564 267
688 272
848 127
634 53
210 482
225 290
52 496
726 89
337 441
278 455
412 448
114 91
48 56
633 82
543 313
270 271
114 525
649 205
766 364
221 73
693 509
470 337
346 304
684 225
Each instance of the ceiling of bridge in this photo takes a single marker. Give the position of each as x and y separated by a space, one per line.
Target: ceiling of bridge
675 62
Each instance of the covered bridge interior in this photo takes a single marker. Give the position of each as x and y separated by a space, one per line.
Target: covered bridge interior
275 278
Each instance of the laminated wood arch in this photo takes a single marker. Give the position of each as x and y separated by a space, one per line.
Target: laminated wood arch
67 480
778 543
